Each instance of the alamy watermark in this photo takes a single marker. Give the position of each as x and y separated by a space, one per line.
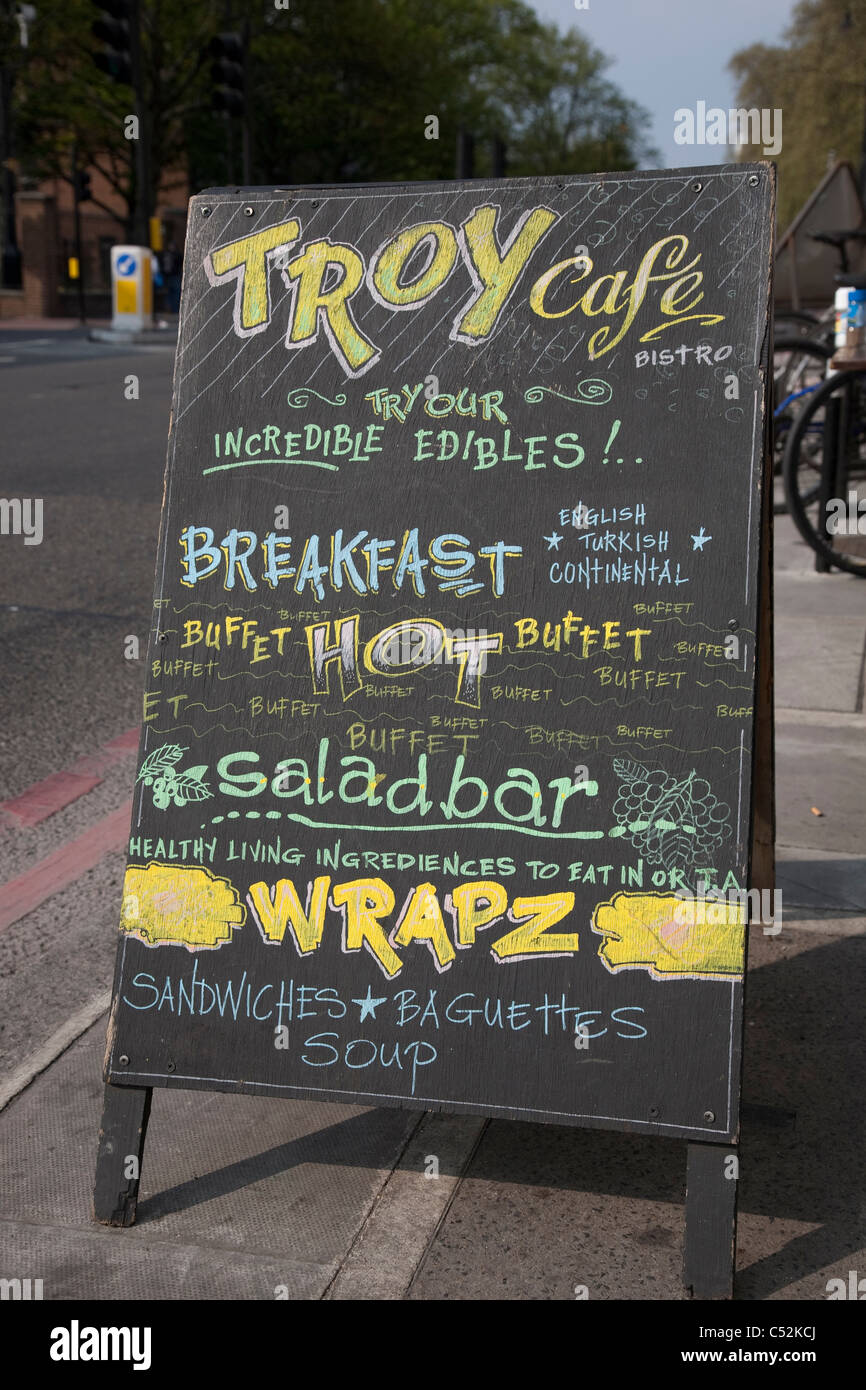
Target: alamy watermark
414 644
846 518
21 1290
737 127
77 1343
712 907
854 1289
22 517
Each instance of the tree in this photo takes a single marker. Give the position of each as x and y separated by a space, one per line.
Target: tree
338 90
817 77
350 83
564 115
65 102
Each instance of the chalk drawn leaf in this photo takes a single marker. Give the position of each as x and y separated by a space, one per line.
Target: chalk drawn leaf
189 788
159 762
627 770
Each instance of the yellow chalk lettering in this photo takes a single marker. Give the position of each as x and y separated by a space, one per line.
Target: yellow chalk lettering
273 914
543 283
528 939
601 341
386 271
476 905
310 269
422 921
366 900
247 261
498 274
610 305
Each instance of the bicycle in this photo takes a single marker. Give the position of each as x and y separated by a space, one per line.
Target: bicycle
824 469
799 367
801 353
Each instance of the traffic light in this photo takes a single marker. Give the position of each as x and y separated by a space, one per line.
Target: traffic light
112 28
227 71
81 186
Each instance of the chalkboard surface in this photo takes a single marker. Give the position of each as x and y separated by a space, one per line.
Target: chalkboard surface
445 787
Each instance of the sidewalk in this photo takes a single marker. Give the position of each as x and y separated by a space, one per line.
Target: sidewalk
256 1199
32 325
97 329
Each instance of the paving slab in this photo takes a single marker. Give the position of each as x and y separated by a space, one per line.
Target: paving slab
821 884
803 594
84 1265
546 1212
412 1204
238 1194
813 650
824 767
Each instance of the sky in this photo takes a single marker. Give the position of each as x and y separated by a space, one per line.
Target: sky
673 53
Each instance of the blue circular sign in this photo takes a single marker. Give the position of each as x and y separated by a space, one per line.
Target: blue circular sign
125 264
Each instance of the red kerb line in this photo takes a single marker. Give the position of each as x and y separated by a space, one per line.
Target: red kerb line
50 795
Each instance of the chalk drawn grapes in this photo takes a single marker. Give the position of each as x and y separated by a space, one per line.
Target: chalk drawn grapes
672 821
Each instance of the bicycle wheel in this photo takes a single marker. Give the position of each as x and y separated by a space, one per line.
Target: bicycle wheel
799 367
829 520
799 321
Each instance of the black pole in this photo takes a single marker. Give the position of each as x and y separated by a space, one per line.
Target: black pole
227 114
498 158
76 204
141 219
465 154
246 133
10 269
230 146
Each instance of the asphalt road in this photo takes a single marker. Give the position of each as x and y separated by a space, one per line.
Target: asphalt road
96 460
68 606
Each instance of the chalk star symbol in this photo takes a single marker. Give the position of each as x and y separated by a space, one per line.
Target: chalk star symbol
553 541
700 540
369 1005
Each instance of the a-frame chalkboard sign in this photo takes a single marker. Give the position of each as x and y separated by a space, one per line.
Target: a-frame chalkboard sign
455 766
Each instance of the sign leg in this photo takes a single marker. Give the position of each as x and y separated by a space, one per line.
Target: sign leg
711 1220
121 1145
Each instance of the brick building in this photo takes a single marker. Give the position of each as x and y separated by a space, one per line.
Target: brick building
45 223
